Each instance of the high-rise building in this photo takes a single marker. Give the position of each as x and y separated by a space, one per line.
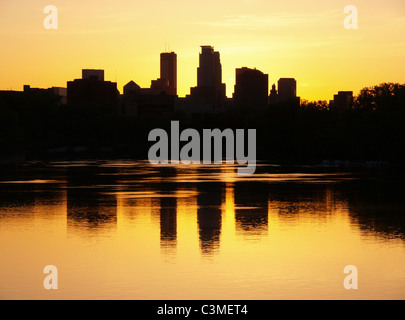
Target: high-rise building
168 71
210 90
287 89
251 87
209 72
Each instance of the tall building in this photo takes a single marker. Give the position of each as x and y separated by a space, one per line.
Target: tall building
287 89
168 71
210 90
209 72
342 101
91 88
251 87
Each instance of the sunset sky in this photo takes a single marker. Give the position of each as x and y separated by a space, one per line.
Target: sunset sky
283 38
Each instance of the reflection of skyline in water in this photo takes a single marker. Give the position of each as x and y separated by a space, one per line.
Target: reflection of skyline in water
378 210
209 216
167 217
251 203
88 207
132 230
94 193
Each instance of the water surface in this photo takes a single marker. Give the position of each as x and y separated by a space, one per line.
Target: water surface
131 230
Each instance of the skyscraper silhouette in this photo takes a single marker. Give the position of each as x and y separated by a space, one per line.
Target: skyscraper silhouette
209 73
287 89
251 87
168 71
210 89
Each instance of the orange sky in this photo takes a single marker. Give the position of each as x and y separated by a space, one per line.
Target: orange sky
291 38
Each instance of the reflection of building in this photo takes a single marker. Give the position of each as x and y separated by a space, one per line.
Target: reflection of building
342 101
377 209
168 222
91 88
210 91
209 216
88 207
251 87
167 213
300 200
251 202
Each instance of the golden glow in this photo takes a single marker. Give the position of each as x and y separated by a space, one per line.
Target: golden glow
301 39
143 239
301 256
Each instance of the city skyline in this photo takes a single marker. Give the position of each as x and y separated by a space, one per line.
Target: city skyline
305 41
168 66
248 82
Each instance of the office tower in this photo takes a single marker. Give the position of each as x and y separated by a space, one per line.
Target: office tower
251 87
210 89
168 71
342 101
209 72
287 89
91 88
